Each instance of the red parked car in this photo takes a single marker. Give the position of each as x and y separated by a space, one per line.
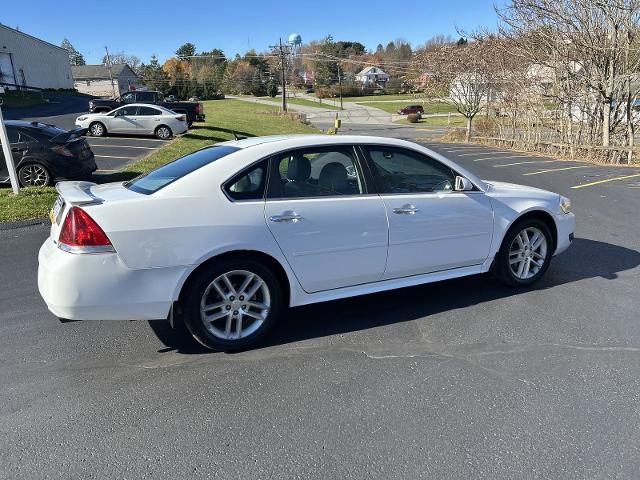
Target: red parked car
411 109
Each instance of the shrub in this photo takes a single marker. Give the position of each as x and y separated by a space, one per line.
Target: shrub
413 117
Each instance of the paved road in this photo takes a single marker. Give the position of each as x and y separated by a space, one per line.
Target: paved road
460 379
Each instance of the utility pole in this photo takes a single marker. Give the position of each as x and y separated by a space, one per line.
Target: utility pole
340 83
282 52
6 149
113 88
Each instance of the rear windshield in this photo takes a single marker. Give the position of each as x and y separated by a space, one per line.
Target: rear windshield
48 131
163 176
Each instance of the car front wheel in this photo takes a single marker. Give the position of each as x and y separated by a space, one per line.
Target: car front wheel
232 304
525 253
97 129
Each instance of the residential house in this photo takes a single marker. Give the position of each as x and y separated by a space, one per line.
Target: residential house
372 76
99 81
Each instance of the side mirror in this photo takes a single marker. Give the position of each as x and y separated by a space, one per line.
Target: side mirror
463 184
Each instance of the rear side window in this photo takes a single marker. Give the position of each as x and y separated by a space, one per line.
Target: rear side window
169 173
249 185
144 97
149 111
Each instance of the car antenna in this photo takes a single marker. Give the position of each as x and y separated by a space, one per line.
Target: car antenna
235 135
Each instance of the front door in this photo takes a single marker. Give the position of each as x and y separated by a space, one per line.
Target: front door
124 121
431 226
331 230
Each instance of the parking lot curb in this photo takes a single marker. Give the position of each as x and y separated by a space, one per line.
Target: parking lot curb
22 223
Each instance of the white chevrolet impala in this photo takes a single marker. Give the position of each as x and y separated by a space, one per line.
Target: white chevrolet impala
225 238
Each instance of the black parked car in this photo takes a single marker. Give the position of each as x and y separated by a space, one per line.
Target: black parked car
44 154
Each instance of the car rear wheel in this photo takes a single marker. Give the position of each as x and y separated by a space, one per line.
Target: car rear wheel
34 175
163 132
97 129
231 305
525 253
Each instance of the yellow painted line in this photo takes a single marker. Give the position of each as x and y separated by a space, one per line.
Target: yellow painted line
111 156
123 146
606 180
106 171
523 163
557 170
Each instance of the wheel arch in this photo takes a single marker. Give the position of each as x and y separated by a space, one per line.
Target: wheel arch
538 214
275 265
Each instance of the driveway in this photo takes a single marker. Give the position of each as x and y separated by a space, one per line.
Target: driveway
459 379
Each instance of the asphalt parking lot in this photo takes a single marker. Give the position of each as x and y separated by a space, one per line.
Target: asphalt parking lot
459 379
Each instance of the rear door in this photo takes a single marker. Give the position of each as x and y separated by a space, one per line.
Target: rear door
124 120
330 227
148 119
431 226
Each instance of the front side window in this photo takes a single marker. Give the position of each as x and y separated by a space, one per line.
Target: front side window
127 111
316 173
249 185
166 174
405 171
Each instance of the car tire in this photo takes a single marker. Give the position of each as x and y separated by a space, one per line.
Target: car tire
163 132
218 317
525 253
34 175
97 129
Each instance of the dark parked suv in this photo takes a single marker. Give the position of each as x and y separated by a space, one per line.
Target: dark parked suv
411 109
43 154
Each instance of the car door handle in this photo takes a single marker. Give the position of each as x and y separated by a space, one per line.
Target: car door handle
286 217
406 210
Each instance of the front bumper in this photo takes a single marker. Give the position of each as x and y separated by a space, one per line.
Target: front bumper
101 287
566 225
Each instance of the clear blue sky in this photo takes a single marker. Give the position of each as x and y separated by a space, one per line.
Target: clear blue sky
143 28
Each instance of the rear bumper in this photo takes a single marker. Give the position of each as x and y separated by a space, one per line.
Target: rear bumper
200 118
566 225
101 287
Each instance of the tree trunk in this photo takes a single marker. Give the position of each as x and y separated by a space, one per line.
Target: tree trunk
606 120
468 137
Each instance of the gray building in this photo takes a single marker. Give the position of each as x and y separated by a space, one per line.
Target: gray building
29 61
97 80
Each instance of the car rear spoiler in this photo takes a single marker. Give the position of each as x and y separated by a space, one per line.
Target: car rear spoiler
69 136
77 193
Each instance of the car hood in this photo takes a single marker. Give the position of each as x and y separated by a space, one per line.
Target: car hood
513 189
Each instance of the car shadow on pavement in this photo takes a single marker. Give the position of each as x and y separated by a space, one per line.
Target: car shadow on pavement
585 259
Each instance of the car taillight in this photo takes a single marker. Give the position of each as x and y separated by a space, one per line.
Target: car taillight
197 108
81 234
180 118
62 150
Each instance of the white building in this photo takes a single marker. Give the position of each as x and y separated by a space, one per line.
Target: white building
97 80
372 76
31 62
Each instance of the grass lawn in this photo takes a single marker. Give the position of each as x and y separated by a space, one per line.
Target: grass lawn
223 117
393 107
456 121
21 99
304 102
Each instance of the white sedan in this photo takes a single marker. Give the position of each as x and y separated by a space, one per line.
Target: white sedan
225 238
136 119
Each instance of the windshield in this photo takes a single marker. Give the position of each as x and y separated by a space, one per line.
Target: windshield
163 176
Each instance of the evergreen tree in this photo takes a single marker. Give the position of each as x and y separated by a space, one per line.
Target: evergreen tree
75 57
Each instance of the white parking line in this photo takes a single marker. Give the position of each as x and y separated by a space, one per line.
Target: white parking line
125 146
492 153
501 158
557 170
523 163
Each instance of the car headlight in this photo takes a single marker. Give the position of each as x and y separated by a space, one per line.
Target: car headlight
81 119
565 204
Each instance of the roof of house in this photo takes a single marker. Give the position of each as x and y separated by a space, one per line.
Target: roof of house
367 70
90 72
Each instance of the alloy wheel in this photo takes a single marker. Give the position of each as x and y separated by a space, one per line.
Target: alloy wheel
34 176
235 305
163 133
97 130
527 253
